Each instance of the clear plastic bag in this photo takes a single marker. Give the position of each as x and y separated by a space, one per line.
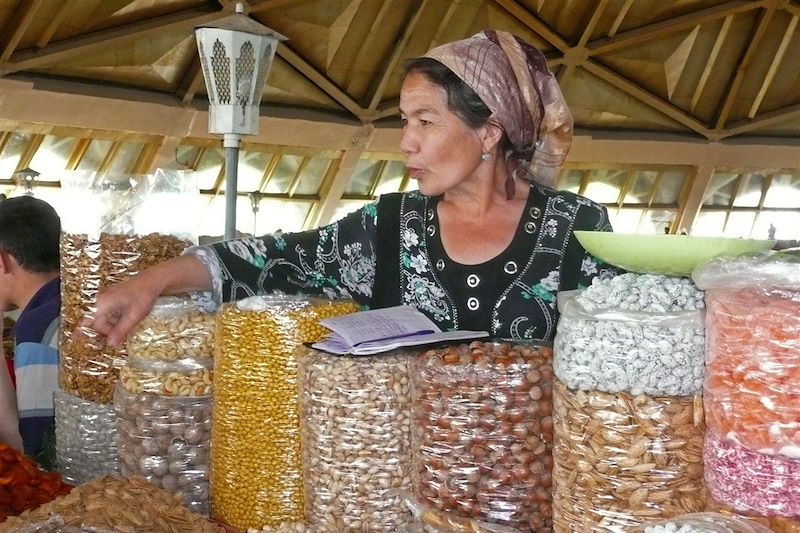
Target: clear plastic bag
763 271
621 460
702 523
749 481
111 234
641 334
166 441
176 328
430 520
482 431
256 466
355 430
752 383
86 438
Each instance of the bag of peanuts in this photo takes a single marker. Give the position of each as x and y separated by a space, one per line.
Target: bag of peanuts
256 465
176 328
86 438
355 432
482 431
622 460
167 441
115 230
635 333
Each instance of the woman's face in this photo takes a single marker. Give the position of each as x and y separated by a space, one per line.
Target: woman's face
441 150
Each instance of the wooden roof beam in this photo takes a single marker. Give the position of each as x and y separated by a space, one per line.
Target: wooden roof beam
568 67
744 64
777 116
690 20
21 20
534 23
191 81
320 80
397 54
773 67
646 97
55 22
612 31
712 60
186 20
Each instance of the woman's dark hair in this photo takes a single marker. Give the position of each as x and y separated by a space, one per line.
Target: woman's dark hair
461 99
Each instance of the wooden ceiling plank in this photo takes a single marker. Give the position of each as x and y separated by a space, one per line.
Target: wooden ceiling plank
712 60
368 46
792 8
191 81
741 71
645 96
690 20
320 80
22 18
620 17
397 54
534 23
452 9
773 67
777 116
276 4
55 22
184 20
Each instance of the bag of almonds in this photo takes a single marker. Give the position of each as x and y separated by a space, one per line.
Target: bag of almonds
86 438
165 440
355 433
482 431
115 230
256 465
621 460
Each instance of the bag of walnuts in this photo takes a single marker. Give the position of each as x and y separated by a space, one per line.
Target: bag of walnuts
115 230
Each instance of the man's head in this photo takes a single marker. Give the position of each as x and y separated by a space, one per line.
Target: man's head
29 232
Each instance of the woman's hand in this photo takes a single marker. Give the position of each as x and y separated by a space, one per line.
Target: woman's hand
120 307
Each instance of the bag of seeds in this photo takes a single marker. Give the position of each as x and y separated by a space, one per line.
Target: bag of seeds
355 432
482 431
256 473
116 229
635 333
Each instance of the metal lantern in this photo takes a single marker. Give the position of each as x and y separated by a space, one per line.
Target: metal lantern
27 178
236 54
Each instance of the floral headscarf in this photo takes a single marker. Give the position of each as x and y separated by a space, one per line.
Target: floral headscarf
512 79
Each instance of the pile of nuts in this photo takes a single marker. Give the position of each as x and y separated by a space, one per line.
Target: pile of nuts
115 504
621 460
186 377
166 441
88 368
635 333
256 471
86 438
174 329
355 429
482 432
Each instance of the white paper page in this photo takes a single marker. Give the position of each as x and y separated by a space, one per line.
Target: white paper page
388 323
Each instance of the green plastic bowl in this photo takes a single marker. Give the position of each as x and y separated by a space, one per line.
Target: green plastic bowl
671 255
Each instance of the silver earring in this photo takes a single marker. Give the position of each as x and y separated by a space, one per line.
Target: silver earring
485 156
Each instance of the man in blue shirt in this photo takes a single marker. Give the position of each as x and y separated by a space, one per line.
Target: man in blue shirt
29 280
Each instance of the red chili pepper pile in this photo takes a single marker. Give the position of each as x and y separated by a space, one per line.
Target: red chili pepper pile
23 486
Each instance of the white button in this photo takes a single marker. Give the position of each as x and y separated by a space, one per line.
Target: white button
473 280
510 267
473 304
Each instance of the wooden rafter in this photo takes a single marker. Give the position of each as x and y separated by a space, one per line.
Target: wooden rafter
53 25
619 18
690 20
103 39
374 34
566 69
275 4
786 114
191 81
793 8
397 53
319 79
773 67
744 63
534 23
712 60
645 96
452 9
23 16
